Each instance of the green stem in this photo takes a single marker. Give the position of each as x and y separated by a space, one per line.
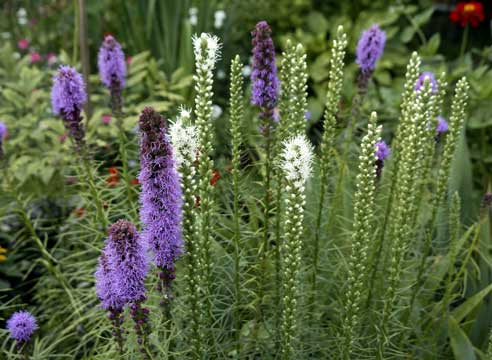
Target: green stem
464 42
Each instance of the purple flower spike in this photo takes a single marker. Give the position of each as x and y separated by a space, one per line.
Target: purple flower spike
112 69
21 326
111 62
370 48
161 196
442 125
3 131
127 261
420 81
67 97
382 150
105 286
265 84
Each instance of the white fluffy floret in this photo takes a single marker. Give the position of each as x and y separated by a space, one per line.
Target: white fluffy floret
296 160
184 139
208 45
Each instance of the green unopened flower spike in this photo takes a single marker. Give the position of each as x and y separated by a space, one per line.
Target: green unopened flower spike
236 101
207 52
333 96
400 228
298 81
362 235
405 121
184 139
458 113
295 162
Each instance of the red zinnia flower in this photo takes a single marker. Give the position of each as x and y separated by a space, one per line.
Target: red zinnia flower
468 12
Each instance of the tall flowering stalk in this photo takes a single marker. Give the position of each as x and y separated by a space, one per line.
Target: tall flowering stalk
128 266
161 199
265 86
400 228
458 113
236 101
112 72
362 235
369 49
295 162
292 109
68 95
21 326
411 76
207 51
333 96
184 138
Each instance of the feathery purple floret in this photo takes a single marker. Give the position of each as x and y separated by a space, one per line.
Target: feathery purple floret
68 93
105 285
264 79
21 326
161 197
382 150
370 48
432 80
111 62
67 97
112 70
442 125
127 261
3 130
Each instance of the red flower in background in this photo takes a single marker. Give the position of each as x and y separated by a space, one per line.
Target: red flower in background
79 212
112 179
134 182
468 13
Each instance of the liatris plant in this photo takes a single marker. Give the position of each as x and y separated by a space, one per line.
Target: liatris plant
21 326
67 97
128 266
112 70
236 116
207 51
264 94
333 97
160 199
296 161
362 235
369 49
184 138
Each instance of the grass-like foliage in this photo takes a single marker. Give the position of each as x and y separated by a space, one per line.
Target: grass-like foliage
293 245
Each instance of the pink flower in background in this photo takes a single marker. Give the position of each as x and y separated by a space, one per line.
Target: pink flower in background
51 58
34 57
23 44
106 119
128 60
